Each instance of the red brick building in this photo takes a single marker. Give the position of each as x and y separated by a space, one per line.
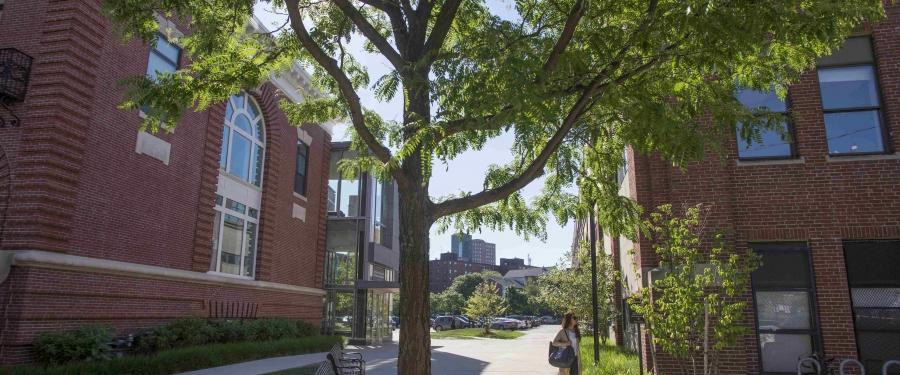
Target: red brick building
102 223
441 272
823 210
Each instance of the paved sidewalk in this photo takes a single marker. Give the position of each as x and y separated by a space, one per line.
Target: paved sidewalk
526 355
262 366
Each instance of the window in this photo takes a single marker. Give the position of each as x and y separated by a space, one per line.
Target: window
344 194
342 246
383 212
784 298
164 57
875 291
623 170
850 100
300 171
764 143
234 238
243 142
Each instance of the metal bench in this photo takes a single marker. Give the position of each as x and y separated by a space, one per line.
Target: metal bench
325 369
343 362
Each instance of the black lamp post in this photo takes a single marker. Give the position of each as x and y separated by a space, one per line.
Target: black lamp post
592 237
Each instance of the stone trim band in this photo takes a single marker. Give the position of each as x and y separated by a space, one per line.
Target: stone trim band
51 260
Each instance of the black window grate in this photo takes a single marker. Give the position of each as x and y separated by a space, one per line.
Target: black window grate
15 67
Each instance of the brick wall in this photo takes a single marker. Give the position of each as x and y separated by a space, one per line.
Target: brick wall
77 186
821 201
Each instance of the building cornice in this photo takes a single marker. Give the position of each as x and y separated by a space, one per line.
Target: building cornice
66 262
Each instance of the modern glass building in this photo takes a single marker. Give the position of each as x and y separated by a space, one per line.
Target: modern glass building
362 255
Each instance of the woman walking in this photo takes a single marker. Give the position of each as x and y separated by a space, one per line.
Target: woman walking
570 335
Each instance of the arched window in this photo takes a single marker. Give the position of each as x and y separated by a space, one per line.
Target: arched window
243 140
239 190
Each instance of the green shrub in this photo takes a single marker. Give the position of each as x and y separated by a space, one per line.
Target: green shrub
194 331
276 329
179 333
88 343
187 359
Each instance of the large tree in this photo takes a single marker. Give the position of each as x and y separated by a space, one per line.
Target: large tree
572 81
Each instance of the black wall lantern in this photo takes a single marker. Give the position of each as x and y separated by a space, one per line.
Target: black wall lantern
15 67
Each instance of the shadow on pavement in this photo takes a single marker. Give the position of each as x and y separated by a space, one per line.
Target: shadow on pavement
382 360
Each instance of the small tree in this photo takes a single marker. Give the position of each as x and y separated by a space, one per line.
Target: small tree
486 303
448 301
466 284
568 287
695 310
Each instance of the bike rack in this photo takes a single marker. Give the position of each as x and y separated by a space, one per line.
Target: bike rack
811 360
888 364
851 360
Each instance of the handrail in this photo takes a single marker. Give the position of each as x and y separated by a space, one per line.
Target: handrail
859 364
888 364
808 359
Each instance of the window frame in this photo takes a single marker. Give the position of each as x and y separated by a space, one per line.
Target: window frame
814 331
879 109
221 207
155 51
850 288
304 184
256 140
791 130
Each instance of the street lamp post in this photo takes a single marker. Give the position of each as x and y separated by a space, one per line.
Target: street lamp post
592 237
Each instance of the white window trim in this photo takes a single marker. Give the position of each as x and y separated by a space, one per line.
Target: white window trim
244 246
230 127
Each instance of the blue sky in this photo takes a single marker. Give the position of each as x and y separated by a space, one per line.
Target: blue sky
466 173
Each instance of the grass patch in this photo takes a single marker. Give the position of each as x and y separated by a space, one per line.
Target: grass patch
469 333
613 360
305 370
187 359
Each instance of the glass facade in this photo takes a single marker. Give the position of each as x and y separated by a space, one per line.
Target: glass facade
359 289
345 193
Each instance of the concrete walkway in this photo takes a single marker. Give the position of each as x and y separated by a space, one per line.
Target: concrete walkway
262 366
526 355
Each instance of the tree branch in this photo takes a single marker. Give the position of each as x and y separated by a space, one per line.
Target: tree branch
565 37
534 170
441 27
395 14
371 33
344 85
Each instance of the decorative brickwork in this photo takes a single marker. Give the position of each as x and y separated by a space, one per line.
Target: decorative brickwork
819 200
77 186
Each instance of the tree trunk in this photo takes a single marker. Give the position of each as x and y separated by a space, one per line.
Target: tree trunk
415 224
415 330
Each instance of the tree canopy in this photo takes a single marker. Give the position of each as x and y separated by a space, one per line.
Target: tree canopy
572 81
558 75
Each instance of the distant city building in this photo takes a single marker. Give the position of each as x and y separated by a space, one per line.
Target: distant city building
442 272
524 276
512 263
483 252
461 245
473 250
449 256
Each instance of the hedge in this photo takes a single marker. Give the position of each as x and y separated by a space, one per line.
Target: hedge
187 359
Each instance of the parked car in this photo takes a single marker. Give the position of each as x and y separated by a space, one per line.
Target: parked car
464 322
524 323
504 324
446 322
547 319
535 321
